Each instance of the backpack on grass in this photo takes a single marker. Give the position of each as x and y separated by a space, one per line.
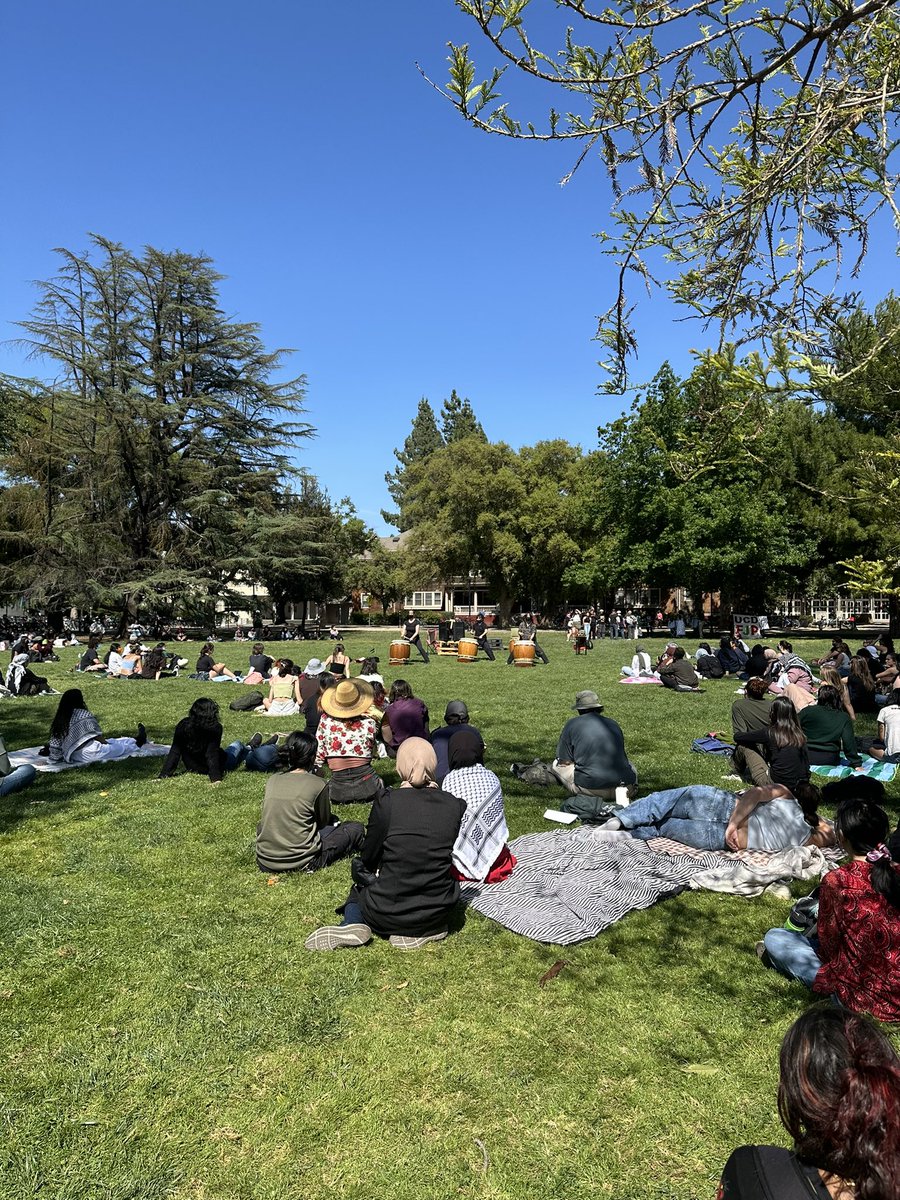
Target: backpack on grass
247 702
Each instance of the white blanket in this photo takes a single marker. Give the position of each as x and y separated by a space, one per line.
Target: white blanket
29 757
751 878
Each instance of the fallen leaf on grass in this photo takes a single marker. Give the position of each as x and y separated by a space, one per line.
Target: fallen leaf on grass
401 986
272 881
66 952
699 1069
103 793
553 972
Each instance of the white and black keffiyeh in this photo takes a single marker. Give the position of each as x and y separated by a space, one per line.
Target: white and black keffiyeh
483 832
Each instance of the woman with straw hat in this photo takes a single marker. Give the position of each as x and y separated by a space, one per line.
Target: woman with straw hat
403 888
346 739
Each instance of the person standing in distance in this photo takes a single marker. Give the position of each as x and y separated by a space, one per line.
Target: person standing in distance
412 634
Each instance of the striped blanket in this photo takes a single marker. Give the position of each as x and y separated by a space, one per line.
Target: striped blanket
873 767
570 885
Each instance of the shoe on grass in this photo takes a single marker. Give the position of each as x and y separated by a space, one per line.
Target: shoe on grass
401 942
255 742
272 741
141 738
338 937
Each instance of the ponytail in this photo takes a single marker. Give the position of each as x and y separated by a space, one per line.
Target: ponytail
864 827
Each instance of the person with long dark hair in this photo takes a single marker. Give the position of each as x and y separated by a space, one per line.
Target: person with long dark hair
839 1099
197 742
208 669
829 730
406 716
284 699
784 742
76 736
338 662
860 685
855 952
297 831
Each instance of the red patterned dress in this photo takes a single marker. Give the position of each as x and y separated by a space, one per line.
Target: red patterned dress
859 943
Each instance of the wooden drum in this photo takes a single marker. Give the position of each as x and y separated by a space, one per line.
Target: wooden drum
466 650
522 652
399 653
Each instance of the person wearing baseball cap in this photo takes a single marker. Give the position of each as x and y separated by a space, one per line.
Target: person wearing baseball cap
456 717
590 758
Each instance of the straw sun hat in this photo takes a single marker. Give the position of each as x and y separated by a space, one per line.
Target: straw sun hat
349 698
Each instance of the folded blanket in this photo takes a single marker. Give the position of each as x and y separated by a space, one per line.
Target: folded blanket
873 767
29 757
570 885
751 879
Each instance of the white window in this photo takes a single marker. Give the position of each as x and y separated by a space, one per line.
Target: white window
424 600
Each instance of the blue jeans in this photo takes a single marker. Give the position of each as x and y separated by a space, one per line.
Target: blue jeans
792 954
353 914
262 758
697 816
17 780
235 755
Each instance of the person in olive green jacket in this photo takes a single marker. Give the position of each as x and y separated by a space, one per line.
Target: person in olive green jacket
828 730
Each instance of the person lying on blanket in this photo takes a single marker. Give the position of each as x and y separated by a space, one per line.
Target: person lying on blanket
709 818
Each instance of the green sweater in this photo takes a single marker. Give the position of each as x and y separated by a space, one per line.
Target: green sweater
294 809
828 731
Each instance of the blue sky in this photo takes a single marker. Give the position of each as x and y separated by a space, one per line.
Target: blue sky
358 219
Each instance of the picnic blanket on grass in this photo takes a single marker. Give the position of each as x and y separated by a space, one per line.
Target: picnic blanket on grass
29 757
641 679
873 767
570 885
573 884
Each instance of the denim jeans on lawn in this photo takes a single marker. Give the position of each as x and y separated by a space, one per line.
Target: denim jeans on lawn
697 816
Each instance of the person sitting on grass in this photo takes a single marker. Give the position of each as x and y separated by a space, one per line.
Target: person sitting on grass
283 699
828 729
296 831
197 742
22 681
709 818
784 743
789 667
590 755
91 660
887 744
731 655
208 670
406 716
403 888
855 953
346 736
830 676
76 736
456 717
480 854
707 664
260 665
14 779
153 664
640 664
338 662
678 674
838 1099
751 712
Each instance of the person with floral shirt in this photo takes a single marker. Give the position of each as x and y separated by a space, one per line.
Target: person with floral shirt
346 739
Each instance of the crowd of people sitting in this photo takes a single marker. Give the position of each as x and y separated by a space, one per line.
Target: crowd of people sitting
444 825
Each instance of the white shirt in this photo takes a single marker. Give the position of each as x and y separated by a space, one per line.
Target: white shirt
890 719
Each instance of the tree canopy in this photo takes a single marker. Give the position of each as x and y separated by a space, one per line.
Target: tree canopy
748 148
145 465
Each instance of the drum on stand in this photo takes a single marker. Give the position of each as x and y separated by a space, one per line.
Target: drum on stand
466 650
399 653
522 652
580 643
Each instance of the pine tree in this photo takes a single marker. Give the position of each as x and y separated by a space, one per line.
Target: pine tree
424 438
458 420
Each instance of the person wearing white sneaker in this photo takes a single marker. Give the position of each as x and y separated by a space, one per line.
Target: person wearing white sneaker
403 889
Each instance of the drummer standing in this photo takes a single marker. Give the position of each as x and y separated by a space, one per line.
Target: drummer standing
479 632
528 633
411 633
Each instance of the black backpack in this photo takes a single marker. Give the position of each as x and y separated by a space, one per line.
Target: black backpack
247 702
710 666
769 1173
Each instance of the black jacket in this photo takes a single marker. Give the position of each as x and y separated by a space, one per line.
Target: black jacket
410 835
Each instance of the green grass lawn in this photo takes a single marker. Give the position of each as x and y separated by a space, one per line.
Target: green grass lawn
166 1034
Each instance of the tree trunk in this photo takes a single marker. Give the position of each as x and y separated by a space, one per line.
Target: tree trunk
894 616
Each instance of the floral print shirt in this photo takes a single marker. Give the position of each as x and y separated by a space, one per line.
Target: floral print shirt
345 739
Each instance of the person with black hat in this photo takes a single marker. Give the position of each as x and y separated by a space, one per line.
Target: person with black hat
590 758
456 718
412 633
528 633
